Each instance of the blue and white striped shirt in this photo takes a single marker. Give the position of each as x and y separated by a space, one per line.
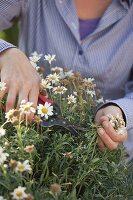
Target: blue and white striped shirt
52 26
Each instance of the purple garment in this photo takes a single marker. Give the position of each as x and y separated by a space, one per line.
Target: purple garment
87 26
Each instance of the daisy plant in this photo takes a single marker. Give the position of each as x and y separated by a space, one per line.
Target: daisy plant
49 163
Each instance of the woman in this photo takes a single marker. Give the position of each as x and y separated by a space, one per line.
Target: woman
90 36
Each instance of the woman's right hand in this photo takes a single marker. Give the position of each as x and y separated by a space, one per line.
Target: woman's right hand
21 78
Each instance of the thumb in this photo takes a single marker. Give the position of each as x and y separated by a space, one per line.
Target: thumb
98 116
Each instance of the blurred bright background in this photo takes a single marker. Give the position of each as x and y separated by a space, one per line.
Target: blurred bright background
11 35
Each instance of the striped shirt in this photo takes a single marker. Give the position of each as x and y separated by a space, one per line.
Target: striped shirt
52 26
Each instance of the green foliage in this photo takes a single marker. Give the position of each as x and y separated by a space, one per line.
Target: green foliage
64 167
88 174
11 34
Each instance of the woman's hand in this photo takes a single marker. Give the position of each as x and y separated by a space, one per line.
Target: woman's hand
107 135
21 78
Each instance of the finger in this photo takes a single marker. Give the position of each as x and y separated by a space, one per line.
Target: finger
100 144
11 98
23 95
112 132
2 93
6 86
109 143
2 104
33 96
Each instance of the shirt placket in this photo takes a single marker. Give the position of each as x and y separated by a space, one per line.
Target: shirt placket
114 13
68 13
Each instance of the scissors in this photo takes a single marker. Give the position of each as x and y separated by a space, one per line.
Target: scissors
57 119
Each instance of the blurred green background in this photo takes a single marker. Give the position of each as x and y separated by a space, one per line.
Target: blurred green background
11 35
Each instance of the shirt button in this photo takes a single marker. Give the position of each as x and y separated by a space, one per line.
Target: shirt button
74 25
60 1
81 52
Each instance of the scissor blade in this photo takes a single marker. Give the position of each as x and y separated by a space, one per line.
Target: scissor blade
72 130
60 122
51 122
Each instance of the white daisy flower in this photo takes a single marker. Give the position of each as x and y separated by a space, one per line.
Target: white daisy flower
121 131
3 156
23 101
68 155
49 58
89 80
66 74
91 92
19 193
45 110
118 123
29 148
5 166
36 54
35 57
54 69
27 107
2 86
75 93
101 100
35 65
112 119
69 73
9 114
59 90
2 131
54 78
59 71
2 198
71 99
21 167
46 84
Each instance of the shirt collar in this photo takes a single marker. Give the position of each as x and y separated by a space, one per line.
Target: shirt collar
126 3
67 10
114 12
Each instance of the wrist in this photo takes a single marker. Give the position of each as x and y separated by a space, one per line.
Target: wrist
4 55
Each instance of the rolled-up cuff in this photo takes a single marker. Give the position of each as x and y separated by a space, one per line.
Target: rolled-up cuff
112 103
127 107
5 45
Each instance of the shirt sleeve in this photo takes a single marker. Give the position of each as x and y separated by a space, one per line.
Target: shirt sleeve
125 103
9 9
5 45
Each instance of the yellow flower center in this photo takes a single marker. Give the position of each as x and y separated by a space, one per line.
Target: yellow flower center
27 108
19 194
21 167
59 89
44 85
52 77
44 110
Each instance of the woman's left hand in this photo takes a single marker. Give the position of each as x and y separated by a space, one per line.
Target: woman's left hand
107 135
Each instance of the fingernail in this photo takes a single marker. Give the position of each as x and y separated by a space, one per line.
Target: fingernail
100 131
105 124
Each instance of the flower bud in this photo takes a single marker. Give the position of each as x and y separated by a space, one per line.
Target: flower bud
55 188
13 163
29 148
